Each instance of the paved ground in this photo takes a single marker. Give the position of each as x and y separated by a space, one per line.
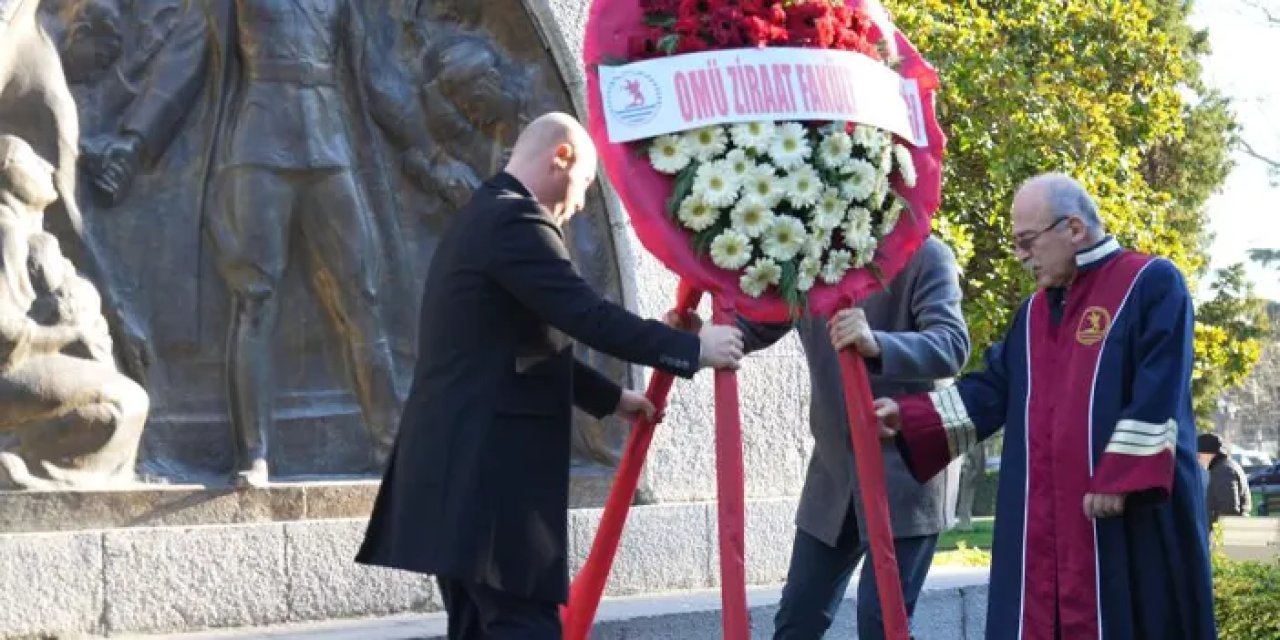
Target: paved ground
684 616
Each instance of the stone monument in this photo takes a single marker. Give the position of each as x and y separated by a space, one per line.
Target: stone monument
261 184
249 193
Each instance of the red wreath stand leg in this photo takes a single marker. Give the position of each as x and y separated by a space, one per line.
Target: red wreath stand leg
730 502
588 586
869 460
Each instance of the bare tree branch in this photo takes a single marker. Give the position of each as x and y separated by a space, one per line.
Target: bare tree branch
1273 18
1274 163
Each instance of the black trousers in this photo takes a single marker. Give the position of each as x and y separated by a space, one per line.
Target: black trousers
477 612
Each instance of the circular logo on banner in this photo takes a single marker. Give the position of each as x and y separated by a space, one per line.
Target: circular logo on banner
634 98
1093 326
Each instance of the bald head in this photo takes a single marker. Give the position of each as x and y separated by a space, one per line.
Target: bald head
555 159
1054 217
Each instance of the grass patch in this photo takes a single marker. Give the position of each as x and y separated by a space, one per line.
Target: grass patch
978 538
958 548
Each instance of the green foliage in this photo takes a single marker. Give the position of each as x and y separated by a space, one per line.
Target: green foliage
977 536
1246 596
1229 334
1265 257
1109 92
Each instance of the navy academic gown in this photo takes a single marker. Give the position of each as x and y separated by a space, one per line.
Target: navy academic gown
1092 386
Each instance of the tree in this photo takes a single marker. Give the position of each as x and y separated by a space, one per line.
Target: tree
1109 92
1265 257
1230 332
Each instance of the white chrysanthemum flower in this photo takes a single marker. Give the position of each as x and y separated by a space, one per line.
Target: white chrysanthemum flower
731 250
790 146
858 222
759 276
838 263
810 269
784 238
870 138
804 187
764 186
891 216
751 218
819 240
835 150
886 161
756 136
905 164
830 210
716 184
864 249
739 164
707 143
813 248
670 154
879 194
696 214
858 237
861 181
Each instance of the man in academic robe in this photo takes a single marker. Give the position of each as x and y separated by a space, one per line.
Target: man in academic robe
1100 515
476 492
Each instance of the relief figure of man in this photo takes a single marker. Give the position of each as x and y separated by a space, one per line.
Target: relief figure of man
293 81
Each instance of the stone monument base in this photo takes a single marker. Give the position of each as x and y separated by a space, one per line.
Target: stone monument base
175 574
177 558
193 505
952 606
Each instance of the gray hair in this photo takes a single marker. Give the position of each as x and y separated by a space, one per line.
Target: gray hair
1065 196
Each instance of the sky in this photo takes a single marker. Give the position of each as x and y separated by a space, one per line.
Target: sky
1245 214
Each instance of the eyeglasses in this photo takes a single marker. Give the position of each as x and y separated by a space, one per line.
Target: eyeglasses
1024 241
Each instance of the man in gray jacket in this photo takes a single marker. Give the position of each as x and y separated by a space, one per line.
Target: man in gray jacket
912 336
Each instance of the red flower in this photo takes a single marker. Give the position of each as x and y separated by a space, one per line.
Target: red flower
639 47
692 44
756 7
726 27
850 40
645 46
812 23
777 15
692 8
809 12
843 14
688 26
758 32
667 7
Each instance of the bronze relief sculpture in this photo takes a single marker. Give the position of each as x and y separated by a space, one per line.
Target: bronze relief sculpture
263 183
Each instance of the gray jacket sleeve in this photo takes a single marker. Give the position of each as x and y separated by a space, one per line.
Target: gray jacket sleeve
939 347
